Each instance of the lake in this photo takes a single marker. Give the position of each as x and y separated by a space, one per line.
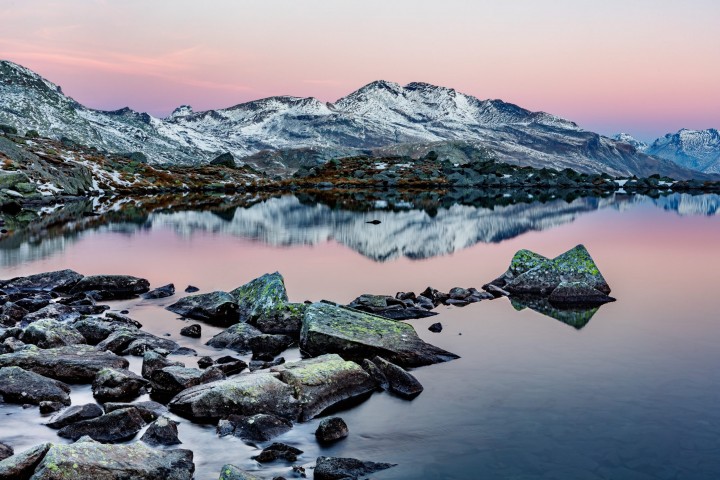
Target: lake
631 392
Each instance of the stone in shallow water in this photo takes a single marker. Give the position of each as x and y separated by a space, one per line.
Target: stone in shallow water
231 472
58 281
266 347
74 414
23 464
357 335
278 451
331 429
87 459
160 292
333 468
5 451
578 293
112 287
24 387
117 384
192 331
256 428
236 337
215 307
260 296
51 333
116 426
400 382
162 431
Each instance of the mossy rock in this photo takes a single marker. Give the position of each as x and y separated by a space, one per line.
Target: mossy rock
260 296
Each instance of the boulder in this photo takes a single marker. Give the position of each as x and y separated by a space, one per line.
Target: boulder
261 364
436 327
377 375
58 281
357 335
74 364
24 387
112 287
51 333
215 307
331 430
522 261
92 460
389 307
247 395
153 361
577 293
6 451
162 431
192 331
260 296
11 313
132 341
49 406
160 292
93 329
236 337
267 347
54 311
400 382
75 414
256 428
324 381
170 381
284 319
205 362
225 160
22 465
231 472
116 426
148 410
34 302
117 384
333 468
278 451
122 320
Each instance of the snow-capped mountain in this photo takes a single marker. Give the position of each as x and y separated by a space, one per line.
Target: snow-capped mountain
379 114
630 140
695 149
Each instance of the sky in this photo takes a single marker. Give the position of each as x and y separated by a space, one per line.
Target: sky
646 67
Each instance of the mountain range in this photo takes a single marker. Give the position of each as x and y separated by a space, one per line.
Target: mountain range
695 149
281 133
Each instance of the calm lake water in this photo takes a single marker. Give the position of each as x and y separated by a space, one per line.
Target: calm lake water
634 394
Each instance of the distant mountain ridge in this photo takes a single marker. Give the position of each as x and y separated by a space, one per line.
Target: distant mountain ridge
380 115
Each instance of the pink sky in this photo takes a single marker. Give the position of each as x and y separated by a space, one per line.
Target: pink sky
647 68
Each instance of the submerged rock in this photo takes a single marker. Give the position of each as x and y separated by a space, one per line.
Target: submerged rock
236 337
117 384
324 381
399 381
231 472
24 387
160 292
58 281
116 426
331 430
215 307
241 395
256 428
22 465
75 414
112 287
278 451
162 431
260 296
390 307
74 364
92 460
333 468
357 335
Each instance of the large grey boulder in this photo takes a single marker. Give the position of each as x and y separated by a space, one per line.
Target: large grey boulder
58 281
324 381
333 468
215 307
577 293
22 465
231 472
92 460
356 335
224 159
260 296
24 387
170 381
112 287
54 311
51 333
162 431
154 361
116 426
237 337
112 384
400 382
74 414
256 428
247 395
133 341
284 319
73 364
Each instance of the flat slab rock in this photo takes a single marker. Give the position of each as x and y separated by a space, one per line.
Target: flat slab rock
116 426
73 364
57 281
87 459
21 386
112 287
214 307
334 468
357 335
23 464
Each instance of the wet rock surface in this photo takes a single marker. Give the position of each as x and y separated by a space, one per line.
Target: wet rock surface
116 426
162 431
216 307
278 451
331 430
117 384
112 287
160 292
26 387
22 465
236 337
399 381
256 428
231 472
75 414
333 468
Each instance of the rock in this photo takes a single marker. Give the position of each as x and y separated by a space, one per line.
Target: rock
376 374
116 426
331 429
122 320
24 387
237 338
10 314
260 296
131 341
357 335
192 331
170 381
285 319
191 289
215 307
496 291
434 295
35 302
256 428
522 261
436 327
5 451
456 303
575 265
162 431
458 293
22 465
117 384
75 414
324 381
148 410
407 313
138 157
225 160
54 311
160 292
205 362
261 365
241 395
577 293
278 451
74 364
231 472
266 347
94 330
400 382
112 287
136 461
47 406
334 468
51 333
153 361
58 281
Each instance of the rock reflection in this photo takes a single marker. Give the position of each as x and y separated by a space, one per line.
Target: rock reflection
577 316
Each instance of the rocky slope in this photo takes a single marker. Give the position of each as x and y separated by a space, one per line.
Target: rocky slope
695 149
378 115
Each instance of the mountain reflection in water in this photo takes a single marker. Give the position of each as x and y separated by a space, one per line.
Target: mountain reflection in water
406 229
